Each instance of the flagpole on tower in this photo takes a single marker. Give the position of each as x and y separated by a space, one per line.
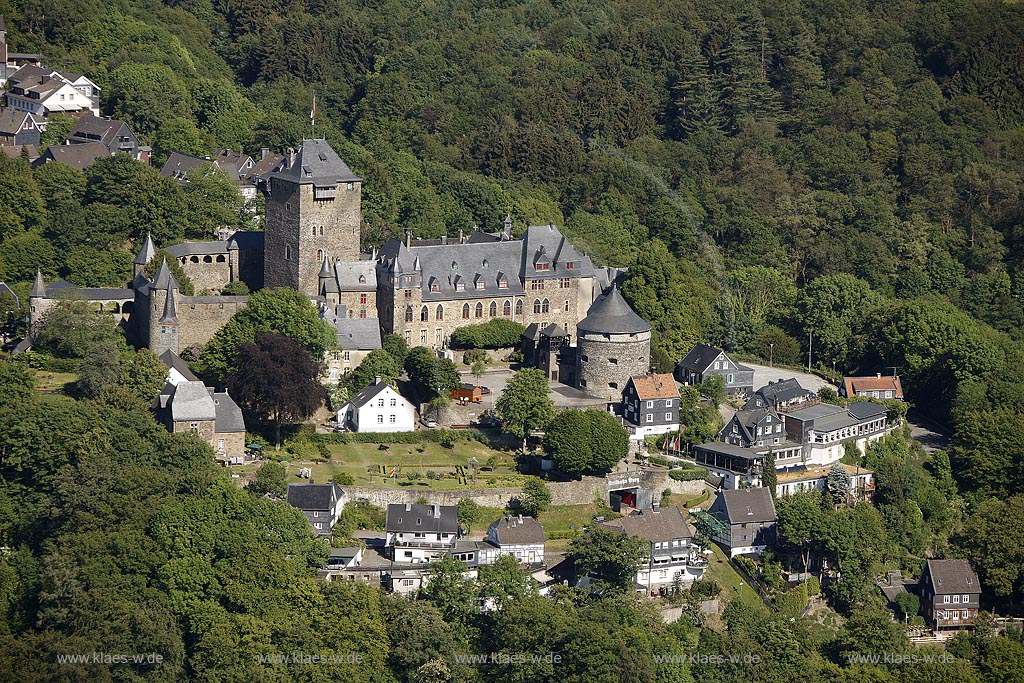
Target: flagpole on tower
312 117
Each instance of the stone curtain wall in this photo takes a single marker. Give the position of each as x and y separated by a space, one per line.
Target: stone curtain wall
562 493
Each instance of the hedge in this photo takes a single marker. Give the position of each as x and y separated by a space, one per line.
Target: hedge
694 502
421 436
493 334
688 475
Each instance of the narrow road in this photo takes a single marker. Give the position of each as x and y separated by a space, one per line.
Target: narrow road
928 432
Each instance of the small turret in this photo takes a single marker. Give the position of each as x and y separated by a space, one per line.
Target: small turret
38 287
146 253
508 227
170 316
164 277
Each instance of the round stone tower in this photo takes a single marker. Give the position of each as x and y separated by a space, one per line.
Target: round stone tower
613 344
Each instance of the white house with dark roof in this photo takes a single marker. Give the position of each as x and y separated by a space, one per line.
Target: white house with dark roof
321 503
824 430
872 387
748 520
178 371
420 533
520 536
671 554
703 361
378 408
42 91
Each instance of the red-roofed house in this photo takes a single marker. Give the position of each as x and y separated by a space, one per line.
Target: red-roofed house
650 405
872 387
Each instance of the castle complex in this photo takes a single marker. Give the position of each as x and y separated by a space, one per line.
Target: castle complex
419 289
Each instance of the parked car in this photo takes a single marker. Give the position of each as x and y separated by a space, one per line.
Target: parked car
429 422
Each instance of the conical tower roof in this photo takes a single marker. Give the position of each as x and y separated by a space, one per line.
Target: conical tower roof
38 287
146 252
164 277
170 315
325 268
610 314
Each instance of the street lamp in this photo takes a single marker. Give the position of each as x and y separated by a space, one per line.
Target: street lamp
771 354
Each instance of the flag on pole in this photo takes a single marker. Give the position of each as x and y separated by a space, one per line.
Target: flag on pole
312 112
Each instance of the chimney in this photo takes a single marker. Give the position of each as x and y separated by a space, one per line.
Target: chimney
376 380
408 507
264 151
291 157
462 238
408 238
508 227
520 519
878 375
437 510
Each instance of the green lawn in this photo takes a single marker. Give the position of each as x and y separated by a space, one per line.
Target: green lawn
53 381
721 571
560 518
363 460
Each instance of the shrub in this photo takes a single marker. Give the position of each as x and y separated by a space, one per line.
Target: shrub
303 450
493 334
343 479
692 474
813 585
694 502
474 355
705 588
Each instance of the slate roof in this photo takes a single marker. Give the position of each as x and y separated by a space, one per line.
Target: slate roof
731 450
410 517
817 412
241 162
358 334
80 156
783 391
314 496
864 410
146 252
12 121
95 129
41 289
264 165
228 414
700 358
179 164
369 393
532 332
749 505
198 248
191 402
748 419
173 360
519 530
665 525
347 274
164 278
953 576
654 386
610 314
245 239
545 243
852 385
314 163
170 315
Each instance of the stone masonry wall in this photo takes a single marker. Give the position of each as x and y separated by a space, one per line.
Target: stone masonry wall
562 493
211 276
596 371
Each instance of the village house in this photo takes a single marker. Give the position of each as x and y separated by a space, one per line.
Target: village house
212 415
357 337
815 478
672 558
80 156
781 395
378 408
419 534
321 503
753 427
824 430
650 405
19 128
520 536
115 135
703 361
42 91
872 387
950 594
748 519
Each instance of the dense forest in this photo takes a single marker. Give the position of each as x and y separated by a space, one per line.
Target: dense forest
850 172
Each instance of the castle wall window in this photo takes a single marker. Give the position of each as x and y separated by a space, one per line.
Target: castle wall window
287 253
320 255
362 312
566 306
536 284
494 309
362 298
519 307
314 231
571 265
506 310
564 283
440 312
536 306
349 186
220 259
424 314
465 311
479 310
321 231
408 314
545 306
194 259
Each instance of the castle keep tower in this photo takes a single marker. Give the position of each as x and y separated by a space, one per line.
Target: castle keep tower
614 343
313 213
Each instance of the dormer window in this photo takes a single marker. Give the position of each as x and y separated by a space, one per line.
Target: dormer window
486 263
502 284
570 265
455 266
362 279
434 287
543 266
